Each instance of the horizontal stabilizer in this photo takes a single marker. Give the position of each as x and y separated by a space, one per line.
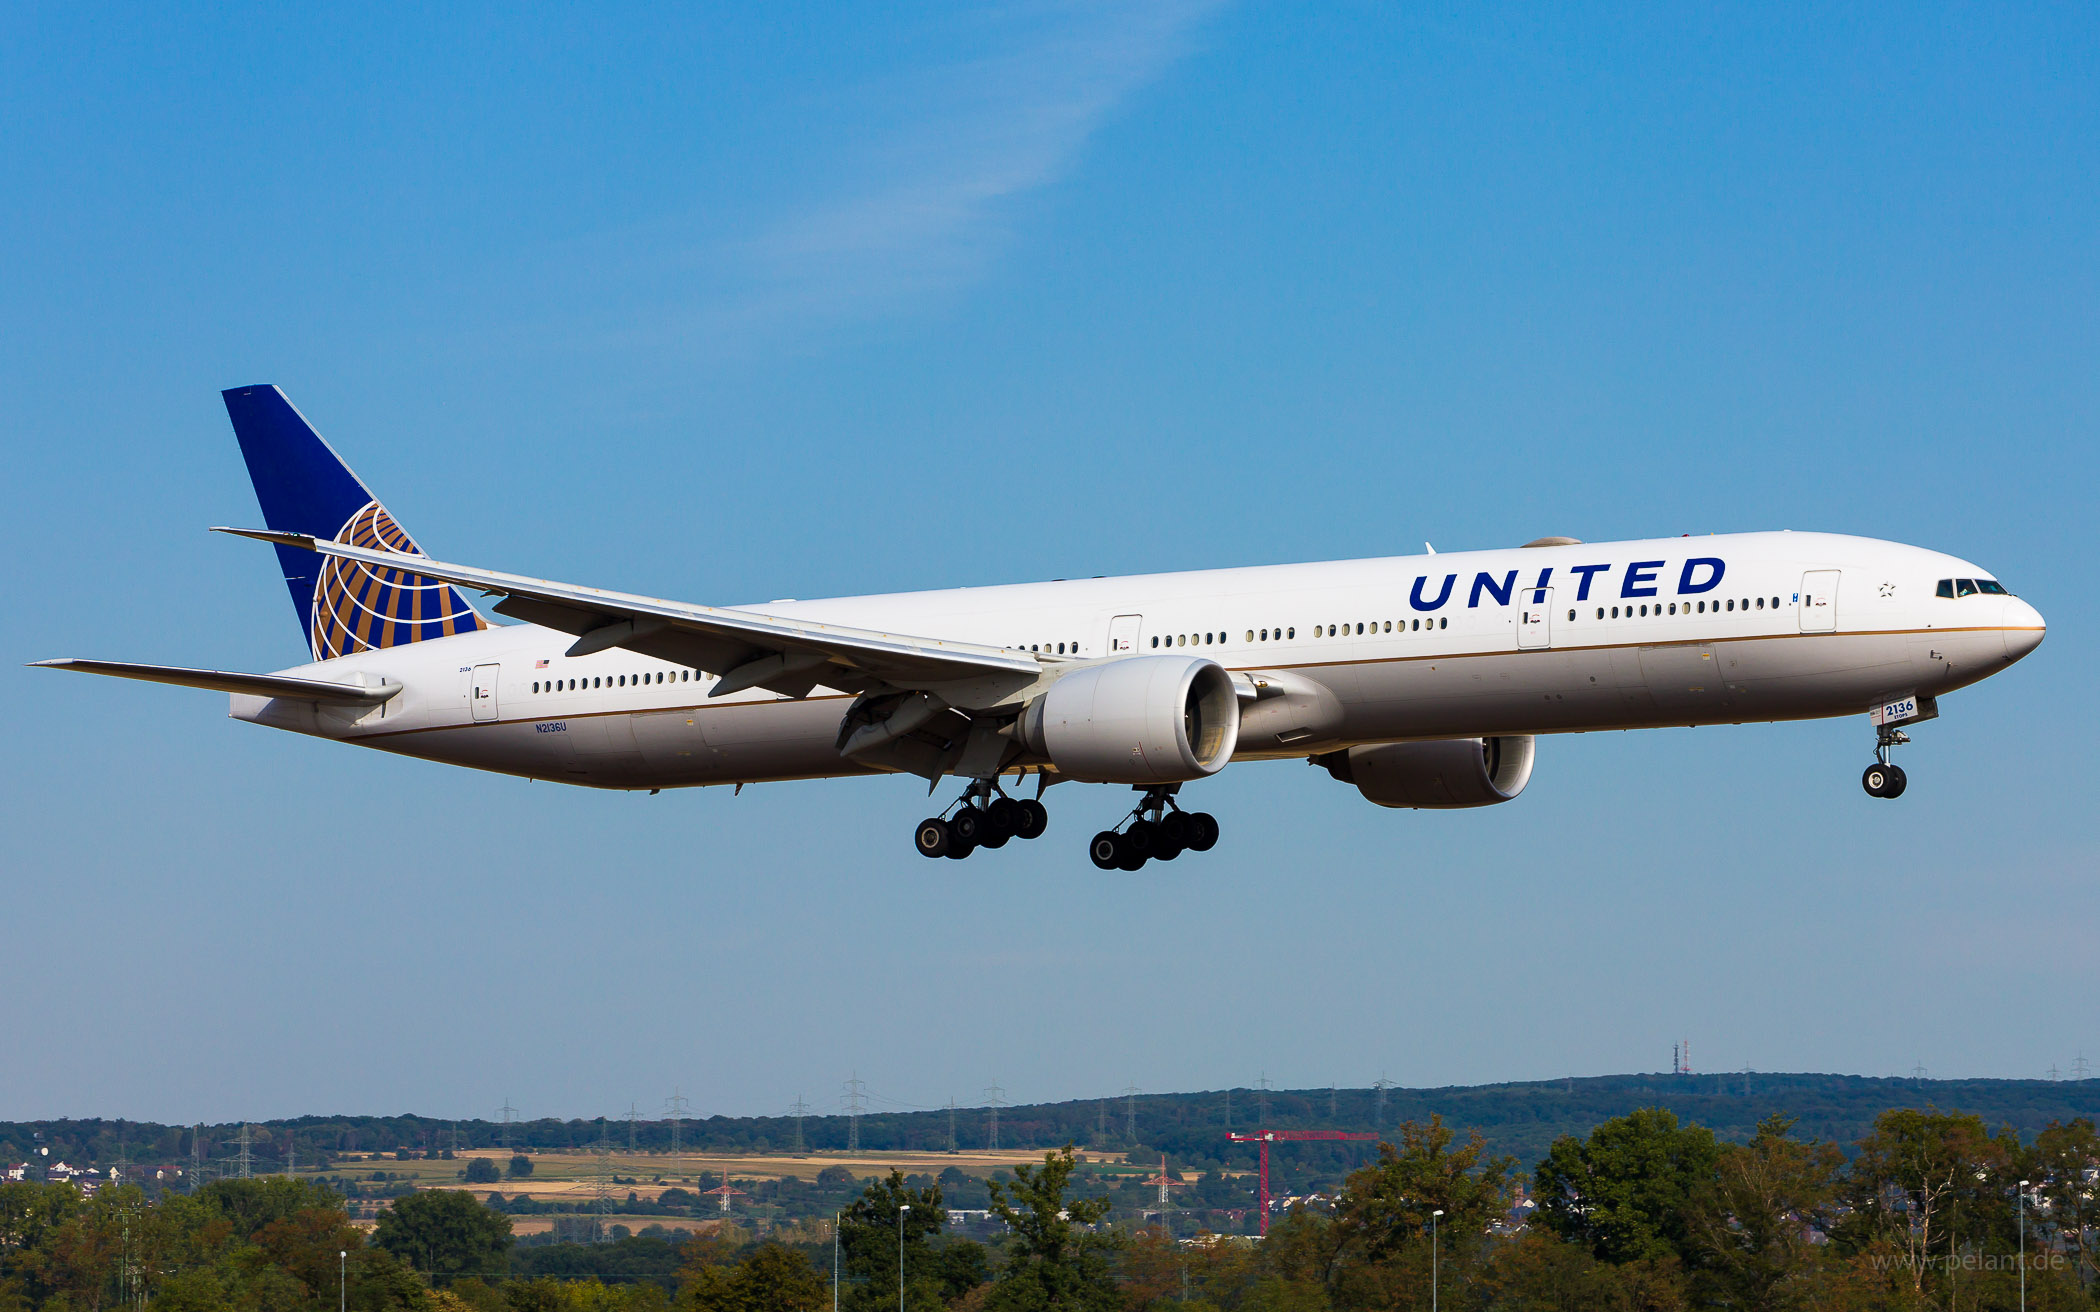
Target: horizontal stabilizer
255 685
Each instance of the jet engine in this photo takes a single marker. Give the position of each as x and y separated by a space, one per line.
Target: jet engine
1141 720
1441 775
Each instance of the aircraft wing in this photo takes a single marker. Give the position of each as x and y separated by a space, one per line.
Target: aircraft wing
258 685
749 649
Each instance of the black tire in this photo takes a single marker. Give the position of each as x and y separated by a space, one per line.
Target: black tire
1003 817
1174 829
1896 784
1133 859
1106 850
1035 818
959 850
1203 831
933 838
967 825
1142 838
1876 780
1167 849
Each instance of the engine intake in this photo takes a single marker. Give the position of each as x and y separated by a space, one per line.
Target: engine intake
1445 775
1141 720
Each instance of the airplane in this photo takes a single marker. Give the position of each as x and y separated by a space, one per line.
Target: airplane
1422 681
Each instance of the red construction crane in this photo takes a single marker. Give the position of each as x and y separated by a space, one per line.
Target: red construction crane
1267 1137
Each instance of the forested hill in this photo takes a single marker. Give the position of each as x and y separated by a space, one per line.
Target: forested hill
1519 1119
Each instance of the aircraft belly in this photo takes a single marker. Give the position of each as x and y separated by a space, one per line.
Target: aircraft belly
1516 692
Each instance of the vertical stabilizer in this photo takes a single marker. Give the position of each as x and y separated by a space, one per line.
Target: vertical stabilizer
304 487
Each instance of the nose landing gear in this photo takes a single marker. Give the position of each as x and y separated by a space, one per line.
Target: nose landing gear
1882 779
984 816
1157 828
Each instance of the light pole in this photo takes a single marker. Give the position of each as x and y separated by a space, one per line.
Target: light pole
2023 1246
342 1279
1432 1257
900 1255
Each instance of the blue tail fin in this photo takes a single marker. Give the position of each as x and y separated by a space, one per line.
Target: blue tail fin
304 487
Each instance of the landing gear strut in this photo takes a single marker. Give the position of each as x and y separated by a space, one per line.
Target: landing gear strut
984 816
1882 779
1157 827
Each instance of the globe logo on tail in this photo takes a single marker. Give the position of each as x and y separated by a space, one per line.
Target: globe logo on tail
359 607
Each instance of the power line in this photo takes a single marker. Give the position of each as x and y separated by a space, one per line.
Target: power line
954 1145
1130 1113
800 1109
510 1116
1378 1118
992 1103
634 1120
1261 1098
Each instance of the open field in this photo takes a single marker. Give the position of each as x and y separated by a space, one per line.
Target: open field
572 1176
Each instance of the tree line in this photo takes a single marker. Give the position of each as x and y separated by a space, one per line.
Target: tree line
1928 1209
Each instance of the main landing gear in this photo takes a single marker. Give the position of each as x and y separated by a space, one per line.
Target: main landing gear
980 819
1882 779
1157 828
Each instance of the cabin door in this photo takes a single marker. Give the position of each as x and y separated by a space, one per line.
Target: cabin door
482 691
1535 619
1819 601
1123 633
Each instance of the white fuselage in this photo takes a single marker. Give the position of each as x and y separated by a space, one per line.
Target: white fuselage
1624 635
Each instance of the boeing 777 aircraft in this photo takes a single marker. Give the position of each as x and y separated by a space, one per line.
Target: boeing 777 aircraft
1424 681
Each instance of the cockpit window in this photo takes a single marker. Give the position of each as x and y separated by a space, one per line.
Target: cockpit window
1965 587
1993 586
1947 589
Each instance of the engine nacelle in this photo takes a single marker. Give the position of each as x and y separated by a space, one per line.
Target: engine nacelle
1442 775
1140 720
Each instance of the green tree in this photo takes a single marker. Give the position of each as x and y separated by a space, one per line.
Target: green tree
445 1232
1054 1258
1627 1193
520 1166
2070 1211
483 1170
771 1278
868 1243
1921 1179
1756 1229
1387 1205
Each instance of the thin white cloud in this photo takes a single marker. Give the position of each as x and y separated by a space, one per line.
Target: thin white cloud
929 204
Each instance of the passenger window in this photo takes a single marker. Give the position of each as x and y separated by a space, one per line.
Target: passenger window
1571 614
1965 587
1760 603
1775 603
1250 635
1444 623
1615 612
1292 632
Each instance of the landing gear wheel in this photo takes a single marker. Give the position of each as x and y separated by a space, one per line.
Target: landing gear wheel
933 838
1875 780
1106 850
1166 849
1174 829
1203 831
957 849
1034 819
1141 839
967 825
1896 783
1003 817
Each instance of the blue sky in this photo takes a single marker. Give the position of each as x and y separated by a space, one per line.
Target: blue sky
806 301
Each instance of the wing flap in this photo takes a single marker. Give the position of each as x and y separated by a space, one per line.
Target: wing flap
254 685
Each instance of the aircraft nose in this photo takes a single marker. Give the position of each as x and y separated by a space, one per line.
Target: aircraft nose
2022 627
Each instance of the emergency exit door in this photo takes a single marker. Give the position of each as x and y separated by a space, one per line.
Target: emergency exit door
1819 601
482 691
1535 620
